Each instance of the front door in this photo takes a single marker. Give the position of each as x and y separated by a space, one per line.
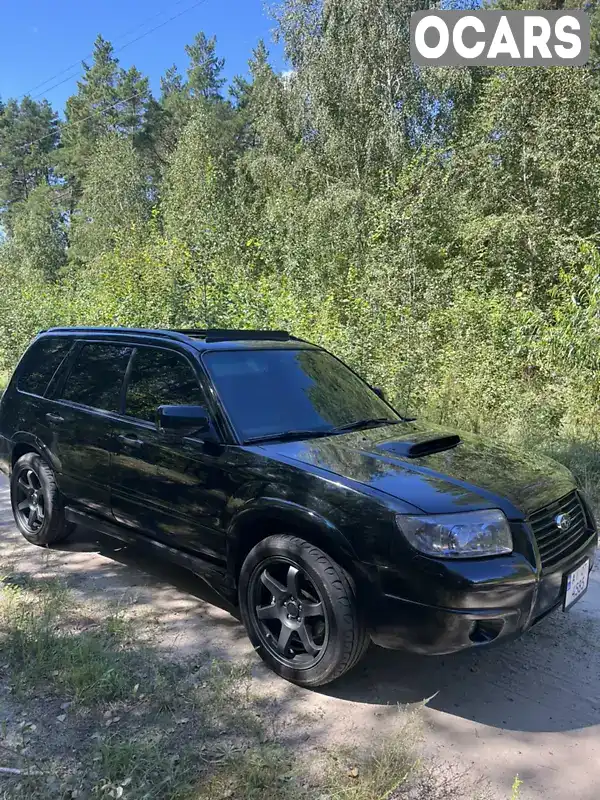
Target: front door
174 489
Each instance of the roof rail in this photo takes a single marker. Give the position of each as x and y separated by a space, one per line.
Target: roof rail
184 334
223 334
170 334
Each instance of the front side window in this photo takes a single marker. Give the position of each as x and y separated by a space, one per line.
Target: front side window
160 378
97 376
268 393
40 363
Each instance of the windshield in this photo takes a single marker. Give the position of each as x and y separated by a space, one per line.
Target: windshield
273 392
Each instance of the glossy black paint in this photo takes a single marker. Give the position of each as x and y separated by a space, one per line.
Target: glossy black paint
183 420
210 498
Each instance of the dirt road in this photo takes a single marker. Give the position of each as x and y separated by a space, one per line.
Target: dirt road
531 707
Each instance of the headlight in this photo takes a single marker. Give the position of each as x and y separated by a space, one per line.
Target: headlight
465 535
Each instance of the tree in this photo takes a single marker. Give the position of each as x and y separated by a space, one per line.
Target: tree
29 136
181 98
115 197
361 106
108 100
204 74
38 237
196 183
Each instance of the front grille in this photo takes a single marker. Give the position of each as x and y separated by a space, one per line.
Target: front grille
553 543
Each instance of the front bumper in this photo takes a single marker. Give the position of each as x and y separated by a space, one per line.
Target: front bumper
478 603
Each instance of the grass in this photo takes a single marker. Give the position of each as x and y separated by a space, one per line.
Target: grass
44 642
89 709
516 788
583 459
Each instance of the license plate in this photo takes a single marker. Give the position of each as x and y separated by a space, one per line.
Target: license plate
577 583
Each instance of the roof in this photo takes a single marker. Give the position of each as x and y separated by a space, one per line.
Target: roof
199 338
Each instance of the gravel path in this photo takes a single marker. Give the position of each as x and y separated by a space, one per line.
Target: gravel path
531 707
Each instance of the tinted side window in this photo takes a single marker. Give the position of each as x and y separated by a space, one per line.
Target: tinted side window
97 376
40 363
160 378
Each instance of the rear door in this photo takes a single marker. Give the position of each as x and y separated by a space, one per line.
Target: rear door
173 489
82 416
23 407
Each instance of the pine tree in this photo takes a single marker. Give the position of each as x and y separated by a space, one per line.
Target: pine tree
108 100
204 74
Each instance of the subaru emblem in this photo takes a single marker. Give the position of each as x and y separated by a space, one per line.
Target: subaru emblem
563 521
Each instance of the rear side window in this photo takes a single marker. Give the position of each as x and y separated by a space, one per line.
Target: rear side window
40 363
97 376
160 378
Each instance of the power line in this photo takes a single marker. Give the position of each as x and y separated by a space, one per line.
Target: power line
83 119
89 55
123 100
118 50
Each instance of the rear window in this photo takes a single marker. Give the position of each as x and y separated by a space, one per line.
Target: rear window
97 376
40 363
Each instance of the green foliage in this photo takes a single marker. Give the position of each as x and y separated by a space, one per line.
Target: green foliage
115 198
436 228
204 73
39 236
29 134
516 788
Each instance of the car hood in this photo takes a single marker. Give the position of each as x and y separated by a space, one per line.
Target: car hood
475 473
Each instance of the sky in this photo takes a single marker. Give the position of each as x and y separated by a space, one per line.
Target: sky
40 38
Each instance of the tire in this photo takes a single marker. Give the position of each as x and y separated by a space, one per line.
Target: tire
33 482
311 596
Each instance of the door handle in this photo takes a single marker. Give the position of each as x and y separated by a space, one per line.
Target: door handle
54 418
130 440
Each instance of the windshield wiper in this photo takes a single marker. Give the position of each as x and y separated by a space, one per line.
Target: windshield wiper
364 423
291 434
309 433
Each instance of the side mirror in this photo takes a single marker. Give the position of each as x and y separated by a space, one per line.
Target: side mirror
183 420
379 392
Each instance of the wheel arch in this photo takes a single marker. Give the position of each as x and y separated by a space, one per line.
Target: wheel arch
268 516
27 443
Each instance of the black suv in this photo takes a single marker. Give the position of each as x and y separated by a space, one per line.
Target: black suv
270 469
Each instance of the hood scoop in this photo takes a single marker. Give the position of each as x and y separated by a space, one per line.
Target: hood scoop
416 448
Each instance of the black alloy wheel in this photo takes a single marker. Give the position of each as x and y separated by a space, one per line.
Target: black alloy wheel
292 622
301 611
30 501
37 504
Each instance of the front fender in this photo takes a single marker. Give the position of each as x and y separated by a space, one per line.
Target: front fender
263 512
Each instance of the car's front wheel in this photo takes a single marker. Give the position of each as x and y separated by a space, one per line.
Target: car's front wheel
36 502
300 611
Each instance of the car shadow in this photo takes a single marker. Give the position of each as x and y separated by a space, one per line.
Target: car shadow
144 558
546 681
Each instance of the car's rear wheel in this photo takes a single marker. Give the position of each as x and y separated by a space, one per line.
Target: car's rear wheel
36 502
300 611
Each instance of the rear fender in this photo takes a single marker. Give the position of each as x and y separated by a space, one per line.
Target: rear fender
34 443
